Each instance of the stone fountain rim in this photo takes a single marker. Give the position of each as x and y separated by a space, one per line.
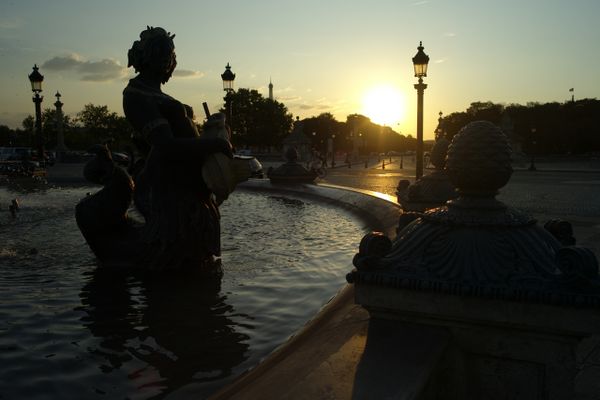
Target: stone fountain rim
379 211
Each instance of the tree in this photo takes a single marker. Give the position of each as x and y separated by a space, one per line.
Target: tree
50 125
319 129
6 135
542 128
103 126
28 123
258 121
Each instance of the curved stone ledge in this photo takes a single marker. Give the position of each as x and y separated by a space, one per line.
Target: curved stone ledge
379 211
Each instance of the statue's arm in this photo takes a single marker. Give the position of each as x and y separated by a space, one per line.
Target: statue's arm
146 118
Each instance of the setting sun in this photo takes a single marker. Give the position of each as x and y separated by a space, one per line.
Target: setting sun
384 105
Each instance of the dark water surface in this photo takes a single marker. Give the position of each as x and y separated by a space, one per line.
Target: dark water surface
71 331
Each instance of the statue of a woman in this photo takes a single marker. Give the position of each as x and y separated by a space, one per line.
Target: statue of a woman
182 219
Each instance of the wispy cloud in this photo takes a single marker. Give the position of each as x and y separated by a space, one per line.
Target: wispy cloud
449 34
314 106
186 73
420 3
11 23
104 70
440 60
289 98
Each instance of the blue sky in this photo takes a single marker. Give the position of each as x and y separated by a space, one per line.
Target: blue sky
322 56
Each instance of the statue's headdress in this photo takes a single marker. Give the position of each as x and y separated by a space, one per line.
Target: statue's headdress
154 46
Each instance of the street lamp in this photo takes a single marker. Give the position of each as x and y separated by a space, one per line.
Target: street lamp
228 78
332 151
439 131
420 61
36 87
533 145
60 136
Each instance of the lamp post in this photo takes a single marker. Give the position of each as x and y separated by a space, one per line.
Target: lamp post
36 87
439 131
228 78
332 151
533 144
60 135
420 61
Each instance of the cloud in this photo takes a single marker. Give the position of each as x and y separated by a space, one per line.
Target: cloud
63 63
11 23
449 34
186 73
104 70
306 106
441 60
289 98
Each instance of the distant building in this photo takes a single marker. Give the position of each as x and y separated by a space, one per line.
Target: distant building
270 89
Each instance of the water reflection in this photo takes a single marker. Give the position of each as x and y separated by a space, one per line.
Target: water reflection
179 327
71 331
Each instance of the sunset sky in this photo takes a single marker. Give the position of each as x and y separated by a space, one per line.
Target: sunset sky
334 56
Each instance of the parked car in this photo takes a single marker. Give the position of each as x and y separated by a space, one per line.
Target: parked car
16 153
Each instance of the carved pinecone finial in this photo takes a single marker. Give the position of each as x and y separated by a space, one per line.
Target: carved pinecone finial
479 159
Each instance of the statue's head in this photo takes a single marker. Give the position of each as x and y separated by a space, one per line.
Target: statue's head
153 54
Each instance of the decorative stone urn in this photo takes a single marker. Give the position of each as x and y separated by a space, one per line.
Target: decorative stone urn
497 307
431 190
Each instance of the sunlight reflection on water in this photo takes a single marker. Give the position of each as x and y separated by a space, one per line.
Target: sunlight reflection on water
70 330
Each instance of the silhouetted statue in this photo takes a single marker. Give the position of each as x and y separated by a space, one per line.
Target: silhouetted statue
181 227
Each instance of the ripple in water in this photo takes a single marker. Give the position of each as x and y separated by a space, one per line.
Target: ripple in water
70 330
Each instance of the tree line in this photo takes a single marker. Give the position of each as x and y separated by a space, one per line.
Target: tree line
540 128
262 123
94 124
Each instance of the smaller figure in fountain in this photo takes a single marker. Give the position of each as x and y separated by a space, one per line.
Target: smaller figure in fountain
431 190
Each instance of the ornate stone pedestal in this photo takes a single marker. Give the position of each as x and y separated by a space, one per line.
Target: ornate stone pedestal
509 303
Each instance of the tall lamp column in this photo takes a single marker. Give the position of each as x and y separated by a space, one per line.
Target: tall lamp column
533 148
420 61
332 149
228 78
36 87
60 135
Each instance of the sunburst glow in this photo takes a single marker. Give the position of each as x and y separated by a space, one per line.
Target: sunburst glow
384 105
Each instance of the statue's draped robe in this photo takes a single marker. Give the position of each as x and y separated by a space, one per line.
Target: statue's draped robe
182 220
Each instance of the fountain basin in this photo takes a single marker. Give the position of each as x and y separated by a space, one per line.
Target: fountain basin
67 318
323 359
